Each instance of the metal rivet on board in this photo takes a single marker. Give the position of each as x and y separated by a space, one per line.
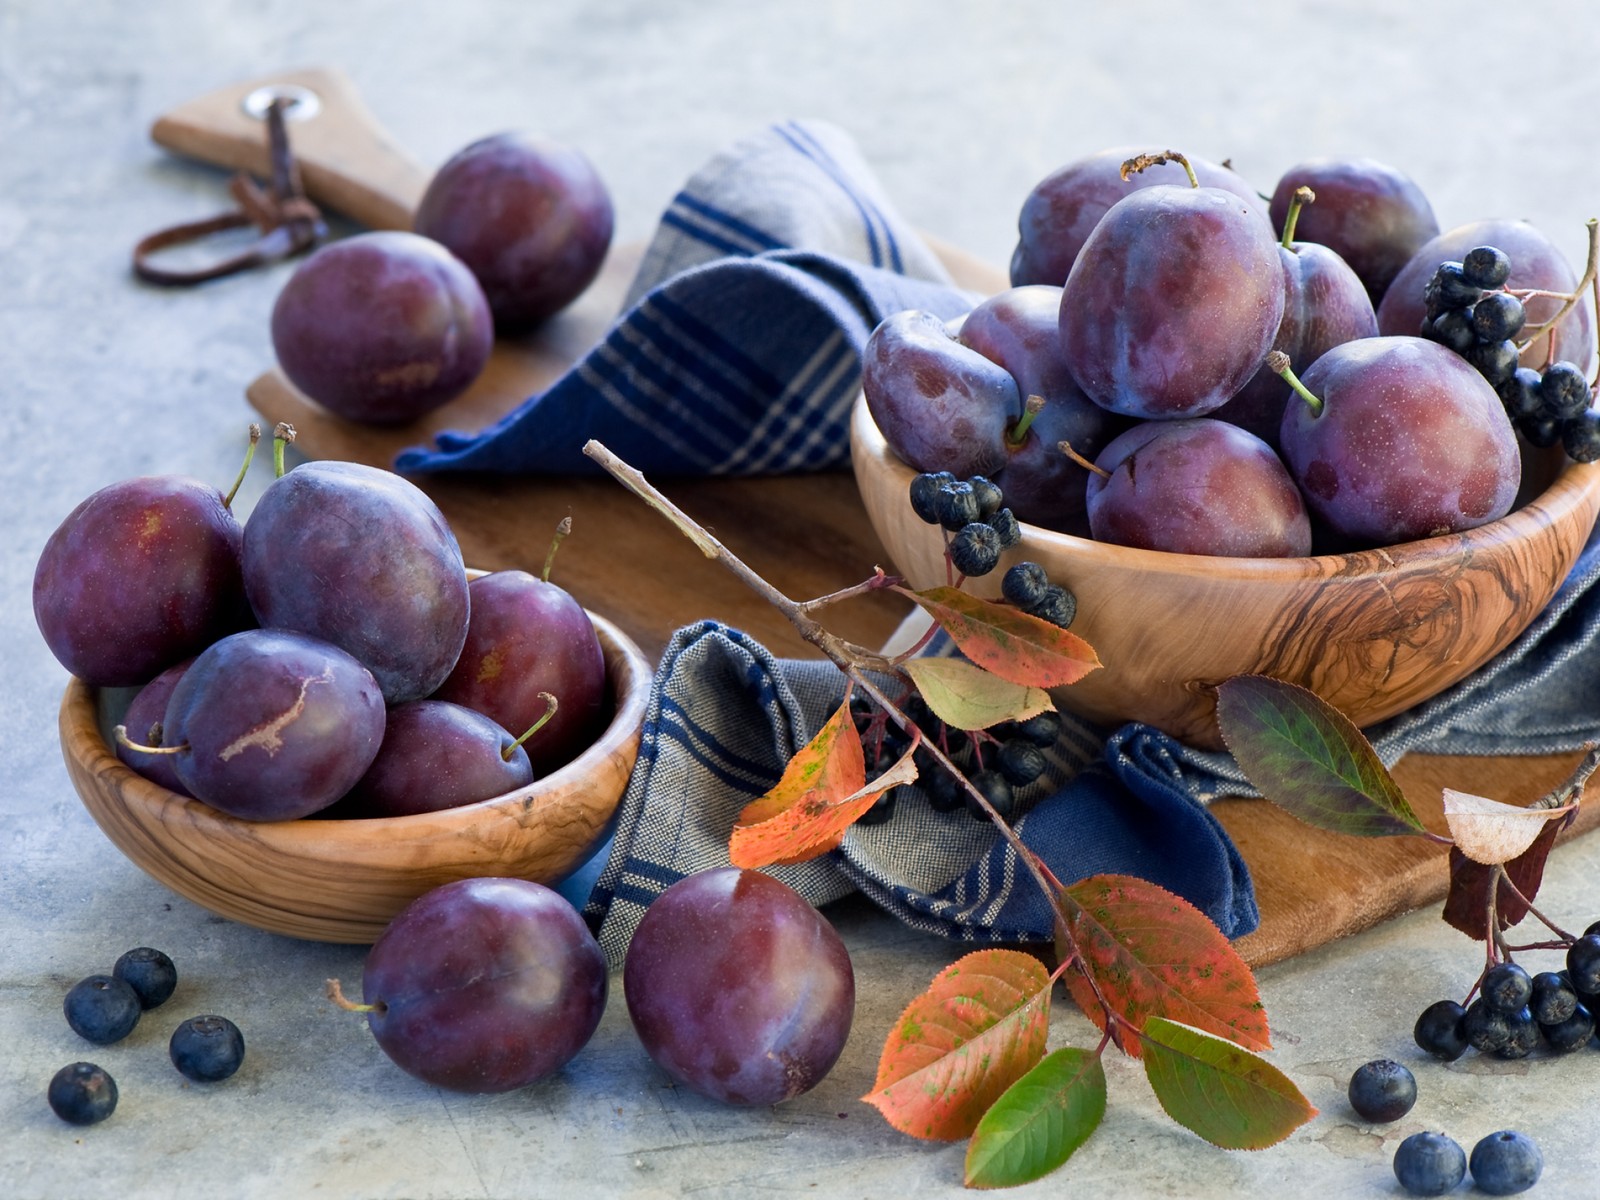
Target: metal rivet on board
301 103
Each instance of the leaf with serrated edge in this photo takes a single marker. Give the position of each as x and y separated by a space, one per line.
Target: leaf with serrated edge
1232 1098
1013 644
957 1047
1039 1122
967 697
1153 954
822 792
1490 832
1309 759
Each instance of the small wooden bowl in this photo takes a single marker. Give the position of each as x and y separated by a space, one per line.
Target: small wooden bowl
342 881
1373 632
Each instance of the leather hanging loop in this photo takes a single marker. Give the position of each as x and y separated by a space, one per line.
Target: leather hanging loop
289 222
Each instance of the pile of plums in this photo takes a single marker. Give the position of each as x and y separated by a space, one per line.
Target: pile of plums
1180 365
328 655
385 327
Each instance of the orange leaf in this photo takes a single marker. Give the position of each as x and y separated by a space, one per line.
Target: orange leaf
1153 954
822 792
1013 644
979 1027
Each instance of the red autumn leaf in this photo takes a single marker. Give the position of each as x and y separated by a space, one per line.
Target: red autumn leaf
823 790
1007 641
1153 954
979 1027
1467 901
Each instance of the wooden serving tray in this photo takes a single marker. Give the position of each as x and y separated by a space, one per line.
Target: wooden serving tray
807 534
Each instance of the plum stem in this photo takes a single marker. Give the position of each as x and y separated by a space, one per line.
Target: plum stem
282 435
549 711
1141 162
1569 300
563 528
120 736
335 992
1066 448
1278 364
1302 197
1018 433
249 455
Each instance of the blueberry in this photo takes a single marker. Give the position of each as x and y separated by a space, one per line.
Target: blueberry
975 550
1553 998
149 973
1430 1164
957 504
1452 287
1580 436
1024 584
943 792
1563 390
1522 1035
1020 761
1057 605
1497 316
1005 524
1486 267
1506 987
102 1009
1583 963
1438 1030
1570 1033
996 790
207 1048
82 1094
1496 361
1486 1029
1520 393
925 494
989 496
1540 429
1042 729
1453 329
1382 1091
1505 1163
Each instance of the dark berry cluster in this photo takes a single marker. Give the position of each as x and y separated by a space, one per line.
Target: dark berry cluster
1514 1012
1468 311
998 761
972 511
105 1008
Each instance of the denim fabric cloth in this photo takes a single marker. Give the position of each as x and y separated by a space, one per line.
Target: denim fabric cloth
738 353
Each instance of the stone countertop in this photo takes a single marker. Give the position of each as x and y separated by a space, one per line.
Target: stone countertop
961 108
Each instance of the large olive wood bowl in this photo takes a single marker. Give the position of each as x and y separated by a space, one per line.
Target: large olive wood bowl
343 880
1373 632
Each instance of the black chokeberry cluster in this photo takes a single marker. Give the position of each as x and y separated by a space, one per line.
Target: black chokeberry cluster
1468 311
1514 1012
972 511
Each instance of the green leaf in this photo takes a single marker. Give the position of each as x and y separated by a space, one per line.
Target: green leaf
1039 1122
1229 1096
1309 758
1013 644
967 697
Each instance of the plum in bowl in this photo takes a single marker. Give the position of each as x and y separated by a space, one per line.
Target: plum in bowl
343 880
1373 632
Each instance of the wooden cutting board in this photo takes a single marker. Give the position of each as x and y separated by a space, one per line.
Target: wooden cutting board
808 535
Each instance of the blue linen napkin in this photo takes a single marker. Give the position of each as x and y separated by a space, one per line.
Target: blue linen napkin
738 353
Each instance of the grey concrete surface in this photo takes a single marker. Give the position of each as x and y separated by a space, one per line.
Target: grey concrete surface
961 107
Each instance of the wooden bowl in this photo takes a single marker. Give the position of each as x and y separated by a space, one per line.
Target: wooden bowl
1373 632
342 881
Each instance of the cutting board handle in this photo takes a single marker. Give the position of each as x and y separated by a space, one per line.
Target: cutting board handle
348 161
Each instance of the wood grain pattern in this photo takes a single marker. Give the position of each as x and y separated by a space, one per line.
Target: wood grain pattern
342 881
1373 633
809 535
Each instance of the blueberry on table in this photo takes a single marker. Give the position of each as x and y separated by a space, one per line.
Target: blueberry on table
1505 1163
1553 998
1382 1091
1583 963
207 1049
1439 1030
81 1093
1522 1035
102 1009
1572 1032
1507 987
1430 1164
150 973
